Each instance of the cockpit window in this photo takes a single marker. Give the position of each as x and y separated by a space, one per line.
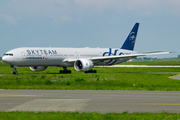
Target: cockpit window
8 54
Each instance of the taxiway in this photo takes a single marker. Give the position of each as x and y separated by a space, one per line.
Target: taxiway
101 101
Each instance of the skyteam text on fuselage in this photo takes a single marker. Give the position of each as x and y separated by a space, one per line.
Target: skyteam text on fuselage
41 52
82 59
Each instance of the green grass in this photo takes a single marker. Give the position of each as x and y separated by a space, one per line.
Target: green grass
163 63
87 116
105 79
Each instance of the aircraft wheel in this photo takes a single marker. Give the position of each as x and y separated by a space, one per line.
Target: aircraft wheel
91 71
65 71
15 73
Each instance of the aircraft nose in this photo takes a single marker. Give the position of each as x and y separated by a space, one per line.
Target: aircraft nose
5 59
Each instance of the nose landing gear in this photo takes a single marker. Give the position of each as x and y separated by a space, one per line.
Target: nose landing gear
15 71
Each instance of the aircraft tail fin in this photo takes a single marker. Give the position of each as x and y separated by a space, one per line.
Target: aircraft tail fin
131 39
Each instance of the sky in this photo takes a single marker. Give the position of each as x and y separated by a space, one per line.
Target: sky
90 23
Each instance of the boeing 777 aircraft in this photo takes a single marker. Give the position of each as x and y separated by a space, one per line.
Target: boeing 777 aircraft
83 59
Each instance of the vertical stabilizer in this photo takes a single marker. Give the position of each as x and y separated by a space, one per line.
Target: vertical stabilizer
131 39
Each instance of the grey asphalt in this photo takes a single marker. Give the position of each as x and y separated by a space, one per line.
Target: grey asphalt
101 101
177 77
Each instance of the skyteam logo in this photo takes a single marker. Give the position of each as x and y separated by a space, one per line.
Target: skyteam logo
110 52
132 37
41 52
111 62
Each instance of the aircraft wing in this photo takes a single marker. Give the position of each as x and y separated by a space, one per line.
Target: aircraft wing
120 56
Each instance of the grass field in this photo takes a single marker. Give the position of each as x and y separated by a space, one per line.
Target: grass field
105 79
87 116
163 63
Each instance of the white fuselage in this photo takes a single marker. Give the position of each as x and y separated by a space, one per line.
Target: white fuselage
50 56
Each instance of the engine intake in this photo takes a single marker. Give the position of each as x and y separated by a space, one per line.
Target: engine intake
38 68
83 65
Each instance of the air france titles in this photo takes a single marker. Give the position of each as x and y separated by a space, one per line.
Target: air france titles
41 52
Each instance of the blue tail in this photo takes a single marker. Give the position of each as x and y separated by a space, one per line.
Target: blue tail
131 39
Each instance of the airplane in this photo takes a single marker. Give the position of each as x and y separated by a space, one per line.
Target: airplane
82 59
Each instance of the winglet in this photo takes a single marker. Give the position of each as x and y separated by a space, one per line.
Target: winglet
131 39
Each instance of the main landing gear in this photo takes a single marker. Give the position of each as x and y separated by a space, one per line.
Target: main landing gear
65 71
15 71
91 71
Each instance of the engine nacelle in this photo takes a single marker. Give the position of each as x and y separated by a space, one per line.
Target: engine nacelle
38 68
83 65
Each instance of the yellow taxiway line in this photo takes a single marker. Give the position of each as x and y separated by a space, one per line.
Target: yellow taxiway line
7 95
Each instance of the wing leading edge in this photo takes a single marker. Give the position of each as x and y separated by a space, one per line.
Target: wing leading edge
120 56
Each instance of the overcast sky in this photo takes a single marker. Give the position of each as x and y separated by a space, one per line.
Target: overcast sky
90 23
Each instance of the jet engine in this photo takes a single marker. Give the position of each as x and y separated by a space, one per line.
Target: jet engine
83 65
38 68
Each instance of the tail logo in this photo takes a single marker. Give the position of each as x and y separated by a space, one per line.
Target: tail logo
132 37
